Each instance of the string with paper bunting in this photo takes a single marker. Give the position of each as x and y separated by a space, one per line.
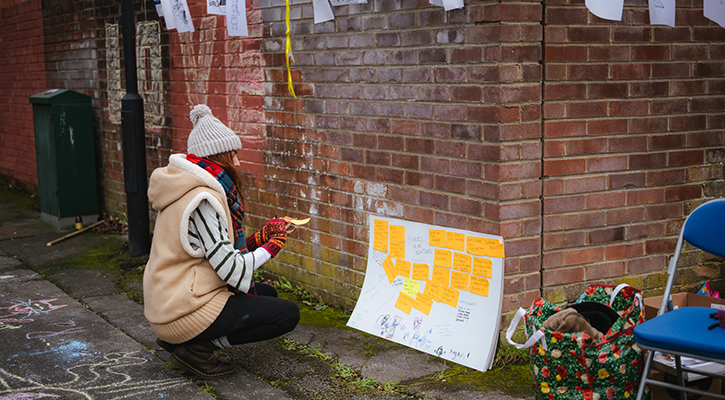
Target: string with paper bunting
288 52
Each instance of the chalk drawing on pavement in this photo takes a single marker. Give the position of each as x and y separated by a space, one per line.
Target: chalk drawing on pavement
24 311
66 327
106 378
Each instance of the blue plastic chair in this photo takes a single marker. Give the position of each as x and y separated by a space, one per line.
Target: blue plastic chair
684 332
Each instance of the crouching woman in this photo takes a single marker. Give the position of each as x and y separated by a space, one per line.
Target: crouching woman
199 295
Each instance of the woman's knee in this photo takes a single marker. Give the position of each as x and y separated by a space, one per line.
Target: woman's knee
292 311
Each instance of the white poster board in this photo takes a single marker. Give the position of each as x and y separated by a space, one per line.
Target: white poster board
437 290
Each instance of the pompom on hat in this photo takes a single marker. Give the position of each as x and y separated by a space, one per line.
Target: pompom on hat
210 136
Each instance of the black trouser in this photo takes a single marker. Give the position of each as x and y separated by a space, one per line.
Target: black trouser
247 319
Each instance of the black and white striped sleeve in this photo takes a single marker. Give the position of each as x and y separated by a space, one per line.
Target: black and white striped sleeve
209 232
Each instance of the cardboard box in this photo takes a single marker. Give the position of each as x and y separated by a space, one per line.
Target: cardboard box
660 393
652 304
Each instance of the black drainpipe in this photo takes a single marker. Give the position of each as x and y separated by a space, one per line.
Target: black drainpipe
134 143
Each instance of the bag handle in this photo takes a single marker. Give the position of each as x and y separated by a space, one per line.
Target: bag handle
538 335
616 291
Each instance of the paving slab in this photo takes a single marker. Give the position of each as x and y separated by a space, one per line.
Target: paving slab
375 357
126 315
55 347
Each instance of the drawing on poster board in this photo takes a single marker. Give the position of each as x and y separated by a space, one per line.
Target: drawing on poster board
438 290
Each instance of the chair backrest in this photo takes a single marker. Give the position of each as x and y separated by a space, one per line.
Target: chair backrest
705 227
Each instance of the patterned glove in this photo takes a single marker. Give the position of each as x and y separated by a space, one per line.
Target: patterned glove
276 234
258 239
254 241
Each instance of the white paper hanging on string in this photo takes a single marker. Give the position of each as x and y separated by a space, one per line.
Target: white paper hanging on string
662 12
449 5
714 10
606 9
323 11
216 7
168 18
237 18
159 8
336 3
182 16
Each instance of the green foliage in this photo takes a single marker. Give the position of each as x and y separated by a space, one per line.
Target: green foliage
344 371
207 388
367 383
509 355
390 386
257 275
305 296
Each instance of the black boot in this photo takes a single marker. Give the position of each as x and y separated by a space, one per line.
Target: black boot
170 347
200 360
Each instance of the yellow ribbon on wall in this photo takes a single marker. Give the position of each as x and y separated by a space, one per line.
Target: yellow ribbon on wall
288 53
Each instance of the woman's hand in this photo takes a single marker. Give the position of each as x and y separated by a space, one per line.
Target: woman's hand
290 228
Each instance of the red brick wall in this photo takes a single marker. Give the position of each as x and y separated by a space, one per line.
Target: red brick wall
633 140
408 111
583 142
22 74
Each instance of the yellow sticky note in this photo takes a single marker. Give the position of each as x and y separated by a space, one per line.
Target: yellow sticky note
449 296
482 266
484 247
474 245
479 285
433 290
459 280
405 303
298 221
402 267
493 248
423 303
441 276
421 272
380 230
462 262
411 287
397 233
390 269
455 241
436 238
397 249
442 258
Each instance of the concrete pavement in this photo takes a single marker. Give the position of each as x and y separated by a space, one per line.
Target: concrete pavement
69 329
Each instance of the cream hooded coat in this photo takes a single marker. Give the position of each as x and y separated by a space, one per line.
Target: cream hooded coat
183 295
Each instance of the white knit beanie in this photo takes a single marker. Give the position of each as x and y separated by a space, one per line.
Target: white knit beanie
210 136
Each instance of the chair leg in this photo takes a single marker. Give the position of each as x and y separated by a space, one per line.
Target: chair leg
680 377
645 375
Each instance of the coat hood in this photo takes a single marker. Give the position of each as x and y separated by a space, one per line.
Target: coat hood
170 183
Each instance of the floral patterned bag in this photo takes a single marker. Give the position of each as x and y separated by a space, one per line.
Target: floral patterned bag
567 366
